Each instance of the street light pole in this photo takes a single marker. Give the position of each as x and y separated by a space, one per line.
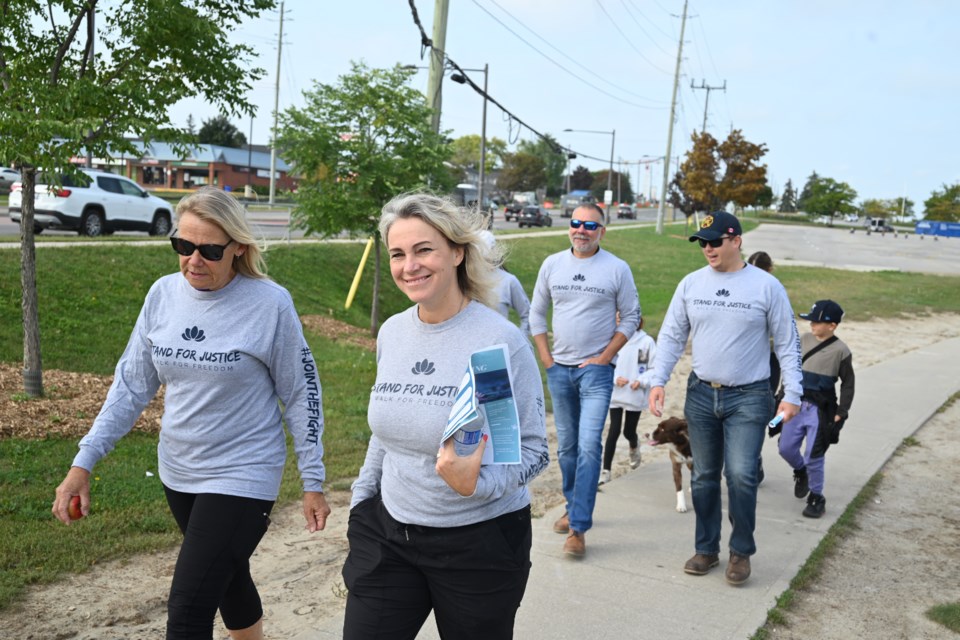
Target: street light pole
613 140
456 77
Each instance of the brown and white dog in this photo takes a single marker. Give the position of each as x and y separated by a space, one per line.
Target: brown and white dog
673 433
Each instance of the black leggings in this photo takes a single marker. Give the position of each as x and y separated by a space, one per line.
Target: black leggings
629 432
220 533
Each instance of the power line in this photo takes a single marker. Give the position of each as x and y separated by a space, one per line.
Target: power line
640 26
628 40
426 43
616 85
581 79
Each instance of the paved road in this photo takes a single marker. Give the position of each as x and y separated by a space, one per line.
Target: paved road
852 249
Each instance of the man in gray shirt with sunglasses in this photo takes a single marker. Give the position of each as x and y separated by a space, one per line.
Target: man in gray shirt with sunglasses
587 286
730 310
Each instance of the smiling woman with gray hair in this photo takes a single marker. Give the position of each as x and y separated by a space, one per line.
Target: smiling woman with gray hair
428 530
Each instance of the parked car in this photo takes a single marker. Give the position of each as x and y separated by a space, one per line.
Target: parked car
7 178
852 217
878 224
534 216
94 204
512 211
626 211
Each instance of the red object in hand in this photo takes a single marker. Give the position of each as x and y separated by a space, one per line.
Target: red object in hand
74 508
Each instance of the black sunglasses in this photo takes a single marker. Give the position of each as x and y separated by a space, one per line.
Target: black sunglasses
213 252
589 225
716 244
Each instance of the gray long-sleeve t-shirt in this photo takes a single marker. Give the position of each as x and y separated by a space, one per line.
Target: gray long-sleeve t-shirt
419 368
586 293
226 358
510 294
730 317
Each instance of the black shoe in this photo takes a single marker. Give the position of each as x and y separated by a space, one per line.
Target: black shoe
816 505
760 474
800 486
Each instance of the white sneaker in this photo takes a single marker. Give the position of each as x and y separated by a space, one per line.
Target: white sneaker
634 457
604 477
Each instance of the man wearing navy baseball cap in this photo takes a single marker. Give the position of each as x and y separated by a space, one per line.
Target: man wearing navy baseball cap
729 310
717 225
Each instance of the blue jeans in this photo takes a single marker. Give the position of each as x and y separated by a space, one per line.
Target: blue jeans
580 398
727 428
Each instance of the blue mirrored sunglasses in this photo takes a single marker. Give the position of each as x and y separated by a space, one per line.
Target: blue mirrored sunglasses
589 225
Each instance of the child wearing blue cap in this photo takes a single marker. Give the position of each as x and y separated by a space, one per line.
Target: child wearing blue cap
825 359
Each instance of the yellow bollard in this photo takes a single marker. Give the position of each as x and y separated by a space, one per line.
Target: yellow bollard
356 278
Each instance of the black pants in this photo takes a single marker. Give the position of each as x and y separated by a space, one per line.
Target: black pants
629 432
220 533
472 577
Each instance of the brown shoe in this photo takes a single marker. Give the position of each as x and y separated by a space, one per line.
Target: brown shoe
575 545
738 569
562 525
700 564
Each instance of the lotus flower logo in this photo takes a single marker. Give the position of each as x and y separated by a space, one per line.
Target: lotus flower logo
579 277
723 293
193 333
424 366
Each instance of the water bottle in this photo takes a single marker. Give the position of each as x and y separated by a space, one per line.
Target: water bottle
466 439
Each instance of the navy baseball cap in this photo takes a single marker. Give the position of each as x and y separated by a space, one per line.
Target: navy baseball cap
824 311
716 225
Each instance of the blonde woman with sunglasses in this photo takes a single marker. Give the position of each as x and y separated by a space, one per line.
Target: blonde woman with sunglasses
227 344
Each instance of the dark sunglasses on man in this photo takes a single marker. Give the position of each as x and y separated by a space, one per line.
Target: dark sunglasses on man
716 243
212 252
589 225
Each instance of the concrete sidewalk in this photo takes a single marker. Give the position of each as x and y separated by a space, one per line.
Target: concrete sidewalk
631 583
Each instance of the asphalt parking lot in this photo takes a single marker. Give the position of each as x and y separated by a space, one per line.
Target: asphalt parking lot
838 248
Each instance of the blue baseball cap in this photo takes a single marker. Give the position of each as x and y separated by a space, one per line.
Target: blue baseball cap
824 311
717 225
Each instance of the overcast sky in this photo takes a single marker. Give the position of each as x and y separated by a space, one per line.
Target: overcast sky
864 92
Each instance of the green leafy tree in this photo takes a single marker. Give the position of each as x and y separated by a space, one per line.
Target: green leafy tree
219 130
465 152
788 201
903 206
554 160
522 172
875 208
828 198
807 191
943 205
764 198
191 126
600 185
356 144
64 97
581 179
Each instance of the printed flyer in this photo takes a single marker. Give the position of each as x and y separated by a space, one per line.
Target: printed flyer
486 394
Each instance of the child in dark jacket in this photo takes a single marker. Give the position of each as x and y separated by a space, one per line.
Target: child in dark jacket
825 359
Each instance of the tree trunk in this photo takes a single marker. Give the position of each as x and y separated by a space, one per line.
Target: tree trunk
375 303
32 369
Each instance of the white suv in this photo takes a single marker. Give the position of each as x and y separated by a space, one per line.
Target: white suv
97 203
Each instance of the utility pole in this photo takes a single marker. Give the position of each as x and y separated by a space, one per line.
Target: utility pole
483 142
704 85
276 108
673 111
437 63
